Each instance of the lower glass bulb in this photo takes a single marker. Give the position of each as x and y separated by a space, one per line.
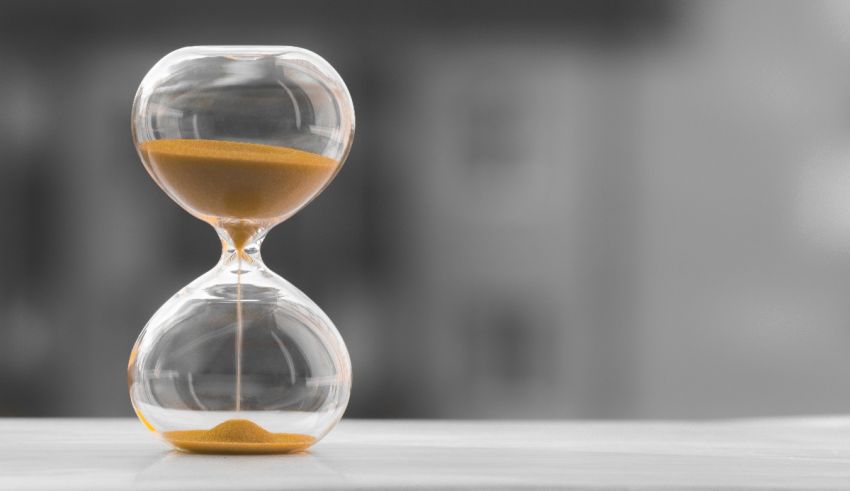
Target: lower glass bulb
240 361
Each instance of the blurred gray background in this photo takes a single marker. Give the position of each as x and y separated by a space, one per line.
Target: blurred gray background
607 209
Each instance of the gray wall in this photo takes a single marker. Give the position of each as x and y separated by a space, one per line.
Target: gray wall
583 209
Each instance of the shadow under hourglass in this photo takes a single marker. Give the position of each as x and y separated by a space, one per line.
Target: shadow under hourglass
182 470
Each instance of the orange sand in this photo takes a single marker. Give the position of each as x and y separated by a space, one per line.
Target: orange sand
240 186
238 436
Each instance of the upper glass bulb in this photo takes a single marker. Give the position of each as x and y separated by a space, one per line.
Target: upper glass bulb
249 105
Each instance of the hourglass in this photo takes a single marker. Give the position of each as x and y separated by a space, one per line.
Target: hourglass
241 361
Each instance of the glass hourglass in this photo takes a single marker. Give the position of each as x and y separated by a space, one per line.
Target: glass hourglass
242 137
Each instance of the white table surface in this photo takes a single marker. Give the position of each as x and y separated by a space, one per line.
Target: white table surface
810 453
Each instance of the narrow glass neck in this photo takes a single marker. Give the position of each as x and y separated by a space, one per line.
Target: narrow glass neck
245 249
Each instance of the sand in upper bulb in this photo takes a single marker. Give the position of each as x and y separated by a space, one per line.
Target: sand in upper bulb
238 186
